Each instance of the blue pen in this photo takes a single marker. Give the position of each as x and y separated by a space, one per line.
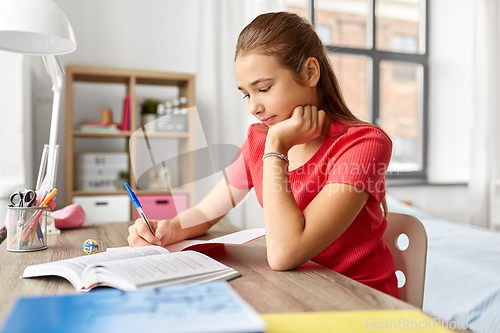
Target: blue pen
138 206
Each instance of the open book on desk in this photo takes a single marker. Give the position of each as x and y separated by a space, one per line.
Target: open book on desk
131 268
134 268
200 245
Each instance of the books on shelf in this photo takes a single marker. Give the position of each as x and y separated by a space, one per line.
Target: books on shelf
125 126
110 127
99 127
208 308
131 268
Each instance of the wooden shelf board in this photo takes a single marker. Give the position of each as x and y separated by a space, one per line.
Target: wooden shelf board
93 134
176 135
84 193
159 81
115 75
177 190
100 79
138 191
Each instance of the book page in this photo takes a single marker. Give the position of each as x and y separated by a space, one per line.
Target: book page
153 269
240 237
200 245
77 265
226 275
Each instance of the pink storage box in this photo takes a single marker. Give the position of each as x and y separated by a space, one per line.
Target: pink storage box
159 207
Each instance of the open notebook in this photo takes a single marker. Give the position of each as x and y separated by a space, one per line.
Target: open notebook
239 237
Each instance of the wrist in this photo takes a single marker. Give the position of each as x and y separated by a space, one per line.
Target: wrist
174 234
275 145
273 153
172 238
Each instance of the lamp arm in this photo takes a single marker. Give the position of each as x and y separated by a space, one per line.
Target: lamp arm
56 72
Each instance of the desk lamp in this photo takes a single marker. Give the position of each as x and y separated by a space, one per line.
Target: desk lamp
39 27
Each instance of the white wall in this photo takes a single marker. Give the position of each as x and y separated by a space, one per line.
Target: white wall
152 35
448 202
451 106
12 132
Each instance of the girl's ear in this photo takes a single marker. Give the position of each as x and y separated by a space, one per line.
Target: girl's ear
312 72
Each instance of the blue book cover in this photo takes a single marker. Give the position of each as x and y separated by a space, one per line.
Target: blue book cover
209 307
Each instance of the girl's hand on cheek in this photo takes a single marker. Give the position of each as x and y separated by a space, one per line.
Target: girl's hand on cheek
304 125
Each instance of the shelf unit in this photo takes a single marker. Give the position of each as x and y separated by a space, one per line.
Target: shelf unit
131 79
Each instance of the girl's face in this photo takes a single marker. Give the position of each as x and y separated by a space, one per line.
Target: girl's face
270 89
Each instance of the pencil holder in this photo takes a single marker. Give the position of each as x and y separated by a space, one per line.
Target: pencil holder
26 228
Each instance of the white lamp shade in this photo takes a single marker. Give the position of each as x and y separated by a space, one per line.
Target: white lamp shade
37 27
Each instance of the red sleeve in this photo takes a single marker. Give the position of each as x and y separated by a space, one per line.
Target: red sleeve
364 156
238 173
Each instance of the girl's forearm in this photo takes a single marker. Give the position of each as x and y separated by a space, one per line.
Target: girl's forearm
190 223
283 219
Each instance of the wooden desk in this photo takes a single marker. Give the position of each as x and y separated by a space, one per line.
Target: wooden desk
311 287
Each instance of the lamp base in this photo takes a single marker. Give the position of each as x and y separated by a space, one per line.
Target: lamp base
51 226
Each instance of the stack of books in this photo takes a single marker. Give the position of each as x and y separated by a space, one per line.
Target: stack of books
99 127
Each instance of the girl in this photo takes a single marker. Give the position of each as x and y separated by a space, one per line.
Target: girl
317 170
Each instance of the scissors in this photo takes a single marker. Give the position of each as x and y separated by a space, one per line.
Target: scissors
22 199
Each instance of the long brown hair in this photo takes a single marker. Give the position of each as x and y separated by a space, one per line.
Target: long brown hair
292 41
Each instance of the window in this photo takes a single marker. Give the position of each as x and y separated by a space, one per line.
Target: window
406 44
378 50
325 33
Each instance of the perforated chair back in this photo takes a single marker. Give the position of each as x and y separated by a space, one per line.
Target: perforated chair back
410 262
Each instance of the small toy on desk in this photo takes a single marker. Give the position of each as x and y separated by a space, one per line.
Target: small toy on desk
90 246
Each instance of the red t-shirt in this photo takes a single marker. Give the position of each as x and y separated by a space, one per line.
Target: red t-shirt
353 155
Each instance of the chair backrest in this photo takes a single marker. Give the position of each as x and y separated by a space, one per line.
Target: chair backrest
409 261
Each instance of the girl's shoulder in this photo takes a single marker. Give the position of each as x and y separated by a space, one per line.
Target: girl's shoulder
356 131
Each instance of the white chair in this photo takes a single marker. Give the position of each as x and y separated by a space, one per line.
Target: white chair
410 255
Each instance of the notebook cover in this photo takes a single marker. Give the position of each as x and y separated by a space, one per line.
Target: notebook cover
209 307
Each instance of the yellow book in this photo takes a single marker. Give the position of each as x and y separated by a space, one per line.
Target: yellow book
404 320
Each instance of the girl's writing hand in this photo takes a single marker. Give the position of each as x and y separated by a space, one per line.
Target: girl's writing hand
139 234
304 125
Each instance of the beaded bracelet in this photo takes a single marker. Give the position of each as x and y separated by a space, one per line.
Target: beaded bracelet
274 153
